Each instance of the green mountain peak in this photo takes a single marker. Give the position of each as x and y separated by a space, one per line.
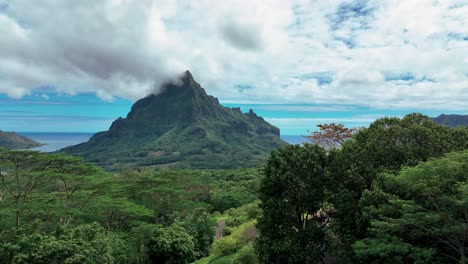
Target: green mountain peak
182 126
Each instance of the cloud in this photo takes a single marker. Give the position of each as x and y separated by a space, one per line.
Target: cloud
391 53
349 18
85 46
242 36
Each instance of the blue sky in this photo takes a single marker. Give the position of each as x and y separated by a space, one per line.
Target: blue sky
295 62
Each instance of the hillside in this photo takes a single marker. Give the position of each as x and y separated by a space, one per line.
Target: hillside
184 127
451 120
12 140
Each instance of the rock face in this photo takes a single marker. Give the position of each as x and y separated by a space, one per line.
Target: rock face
451 120
184 127
12 140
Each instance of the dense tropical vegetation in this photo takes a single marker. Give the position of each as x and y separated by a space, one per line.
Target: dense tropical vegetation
374 205
57 209
395 192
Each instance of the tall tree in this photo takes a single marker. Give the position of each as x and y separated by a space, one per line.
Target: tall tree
292 194
22 173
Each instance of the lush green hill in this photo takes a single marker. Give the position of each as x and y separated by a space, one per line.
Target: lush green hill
184 127
451 120
12 140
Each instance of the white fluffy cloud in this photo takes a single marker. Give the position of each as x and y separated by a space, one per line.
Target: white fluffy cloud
377 53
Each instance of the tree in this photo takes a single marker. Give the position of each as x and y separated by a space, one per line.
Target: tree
246 255
201 227
460 137
24 172
419 215
162 245
331 135
81 244
386 146
21 173
291 194
171 245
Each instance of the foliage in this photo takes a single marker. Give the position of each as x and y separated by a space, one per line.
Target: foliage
419 215
236 216
460 137
292 193
81 244
171 245
57 194
240 236
60 190
239 233
386 146
176 193
225 246
26 174
353 204
201 227
246 255
331 135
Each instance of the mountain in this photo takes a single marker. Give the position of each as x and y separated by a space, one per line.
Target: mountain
451 120
182 127
12 140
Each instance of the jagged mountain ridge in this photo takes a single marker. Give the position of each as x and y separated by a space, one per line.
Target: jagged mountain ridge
182 126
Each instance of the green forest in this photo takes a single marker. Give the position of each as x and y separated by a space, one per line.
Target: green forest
394 192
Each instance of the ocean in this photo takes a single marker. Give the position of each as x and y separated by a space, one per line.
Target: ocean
58 140
294 139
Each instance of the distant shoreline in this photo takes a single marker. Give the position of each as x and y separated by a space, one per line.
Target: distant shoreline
53 141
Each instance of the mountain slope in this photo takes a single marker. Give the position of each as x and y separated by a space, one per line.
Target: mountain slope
182 126
11 140
451 120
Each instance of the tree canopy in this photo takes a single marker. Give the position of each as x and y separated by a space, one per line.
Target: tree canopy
292 193
331 135
385 147
419 215
394 192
